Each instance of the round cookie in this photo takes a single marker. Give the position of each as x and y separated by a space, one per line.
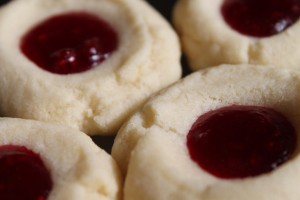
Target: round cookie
145 58
239 32
74 166
152 147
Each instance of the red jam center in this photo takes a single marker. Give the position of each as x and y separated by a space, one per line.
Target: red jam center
22 175
260 18
241 141
70 43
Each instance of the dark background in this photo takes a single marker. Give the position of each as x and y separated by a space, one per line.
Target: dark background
165 7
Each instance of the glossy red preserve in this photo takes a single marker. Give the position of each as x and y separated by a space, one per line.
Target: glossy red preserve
260 18
23 175
70 43
241 141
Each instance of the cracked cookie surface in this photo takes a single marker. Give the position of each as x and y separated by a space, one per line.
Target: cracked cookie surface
79 169
98 100
151 148
209 40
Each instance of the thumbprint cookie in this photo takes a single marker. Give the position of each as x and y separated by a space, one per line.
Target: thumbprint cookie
239 32
87 64
226 132
41 161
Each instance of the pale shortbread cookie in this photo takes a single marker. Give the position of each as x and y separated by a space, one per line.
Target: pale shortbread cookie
78 167
151 147
99 100
208 40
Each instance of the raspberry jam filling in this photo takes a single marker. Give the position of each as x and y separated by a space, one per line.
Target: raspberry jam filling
241 141
69 43
23 174
260 18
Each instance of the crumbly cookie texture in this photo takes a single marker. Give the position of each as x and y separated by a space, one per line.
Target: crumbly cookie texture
208 40
78 167
99 100
151 147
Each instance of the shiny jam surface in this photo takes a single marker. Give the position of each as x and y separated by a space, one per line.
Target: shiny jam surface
69 43
23 175
241 141
260 18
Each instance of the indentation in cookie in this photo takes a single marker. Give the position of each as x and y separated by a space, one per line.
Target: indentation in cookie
23 174
241 141
260 18
70 43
